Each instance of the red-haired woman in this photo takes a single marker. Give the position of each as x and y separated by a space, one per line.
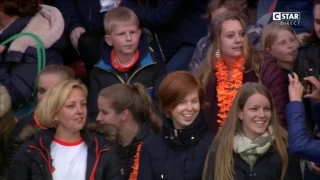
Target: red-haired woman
179 151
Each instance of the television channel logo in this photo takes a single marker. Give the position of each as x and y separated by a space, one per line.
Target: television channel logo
290 18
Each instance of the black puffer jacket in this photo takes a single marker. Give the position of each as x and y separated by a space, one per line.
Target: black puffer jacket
267 167
33 160
175 154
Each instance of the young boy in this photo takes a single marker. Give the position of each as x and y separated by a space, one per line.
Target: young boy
125 58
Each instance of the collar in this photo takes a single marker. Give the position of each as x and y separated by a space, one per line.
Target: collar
184 137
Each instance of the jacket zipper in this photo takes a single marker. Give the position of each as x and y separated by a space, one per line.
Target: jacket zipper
51 169
175 133
138 71
130 78
252 173
98 154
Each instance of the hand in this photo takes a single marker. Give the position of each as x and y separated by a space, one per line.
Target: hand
313 167
295 88
2 48
75 35
315 94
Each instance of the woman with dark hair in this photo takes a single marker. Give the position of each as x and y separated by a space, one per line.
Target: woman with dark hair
18 59
178 152
232 61
128 108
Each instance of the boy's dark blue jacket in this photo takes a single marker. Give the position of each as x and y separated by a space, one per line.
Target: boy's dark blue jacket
300 143
177 23
148 71
175 154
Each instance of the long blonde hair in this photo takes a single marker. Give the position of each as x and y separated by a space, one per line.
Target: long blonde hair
219 164
270 34
253 57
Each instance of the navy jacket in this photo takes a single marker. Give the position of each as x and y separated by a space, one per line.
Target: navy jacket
177 22
148 71
126 154
300 142
33 160
267 167
81 13
175 154
18 69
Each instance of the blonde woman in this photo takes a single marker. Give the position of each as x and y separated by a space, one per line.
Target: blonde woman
251 143
64 150
231 62
281 41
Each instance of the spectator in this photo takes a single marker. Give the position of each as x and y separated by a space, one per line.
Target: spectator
179 151
65 149
231 62
7 123
48 78
215 8
84 29
18 60
300 142
129 109
281 41
126 58
251 143
172 24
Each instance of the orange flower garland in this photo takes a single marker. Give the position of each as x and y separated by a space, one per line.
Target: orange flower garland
227 88
135 167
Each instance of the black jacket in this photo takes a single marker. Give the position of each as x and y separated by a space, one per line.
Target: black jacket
148 71
15 140
175 154
126 154
19 63
308 59
267 167
33 160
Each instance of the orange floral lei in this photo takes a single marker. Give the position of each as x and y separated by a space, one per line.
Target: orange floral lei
227 89
135 167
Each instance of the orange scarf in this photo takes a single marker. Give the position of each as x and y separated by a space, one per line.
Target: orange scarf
135 167
124 67
227 88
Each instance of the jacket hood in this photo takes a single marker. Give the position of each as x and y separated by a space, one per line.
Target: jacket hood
186 137
5 101
48 24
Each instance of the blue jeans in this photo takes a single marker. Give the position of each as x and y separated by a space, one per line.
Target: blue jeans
180 61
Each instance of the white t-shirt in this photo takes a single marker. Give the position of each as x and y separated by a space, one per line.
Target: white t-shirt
69 160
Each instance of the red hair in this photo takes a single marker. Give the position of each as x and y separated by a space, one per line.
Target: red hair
176 86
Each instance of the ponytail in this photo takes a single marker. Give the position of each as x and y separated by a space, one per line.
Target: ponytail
136 99
147 107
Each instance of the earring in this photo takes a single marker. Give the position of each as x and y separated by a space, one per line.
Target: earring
218 55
